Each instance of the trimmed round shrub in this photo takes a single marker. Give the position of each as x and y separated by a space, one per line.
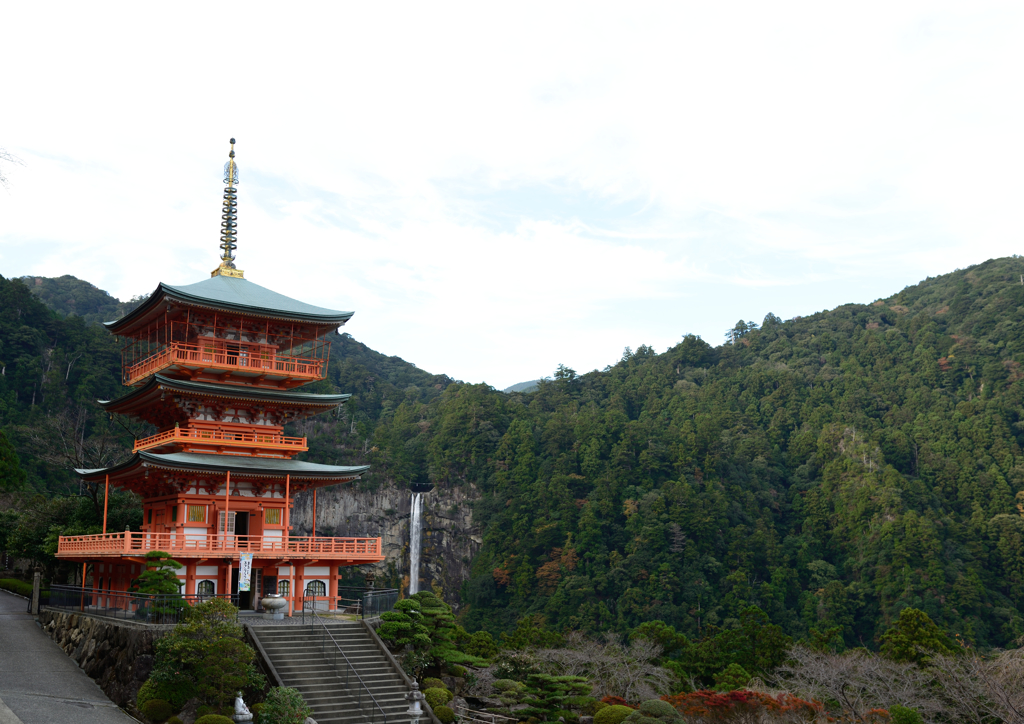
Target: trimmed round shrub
594 708
638 718
905 715
204 710
659 709
174 720
432 683
176 693
456 670
437 697
157 710
283 706
215 719
613 714
444 714
506 685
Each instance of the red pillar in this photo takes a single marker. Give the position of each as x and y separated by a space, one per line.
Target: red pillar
106 495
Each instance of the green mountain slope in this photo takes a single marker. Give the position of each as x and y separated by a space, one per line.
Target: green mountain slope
70 296
830 470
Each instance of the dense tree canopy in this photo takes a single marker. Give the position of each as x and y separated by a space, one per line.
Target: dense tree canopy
828 471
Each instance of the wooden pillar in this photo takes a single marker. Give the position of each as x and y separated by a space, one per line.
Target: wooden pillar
287 510
106 495
291 587
227 505
332 593
314 512
190 578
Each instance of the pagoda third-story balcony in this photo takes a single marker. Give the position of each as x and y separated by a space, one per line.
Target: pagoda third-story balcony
223 442
249 364
183 545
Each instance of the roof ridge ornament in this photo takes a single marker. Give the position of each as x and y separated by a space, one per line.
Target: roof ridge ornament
229 221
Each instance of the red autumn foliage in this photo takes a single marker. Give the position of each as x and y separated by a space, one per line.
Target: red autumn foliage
714 706
617 701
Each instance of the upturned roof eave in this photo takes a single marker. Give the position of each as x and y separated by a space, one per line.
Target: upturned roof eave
336 318
237 465
225 391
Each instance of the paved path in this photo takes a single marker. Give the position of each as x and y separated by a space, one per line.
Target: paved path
39 684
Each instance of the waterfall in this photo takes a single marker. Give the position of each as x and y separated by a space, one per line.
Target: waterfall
415 542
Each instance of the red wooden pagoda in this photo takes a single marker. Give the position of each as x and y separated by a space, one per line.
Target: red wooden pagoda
213 366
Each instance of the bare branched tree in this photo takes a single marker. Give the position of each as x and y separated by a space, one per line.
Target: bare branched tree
979 689
613 669
858 682
62 440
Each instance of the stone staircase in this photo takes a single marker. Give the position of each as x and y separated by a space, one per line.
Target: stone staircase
295 652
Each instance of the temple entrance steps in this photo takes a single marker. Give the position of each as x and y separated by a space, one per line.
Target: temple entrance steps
295 653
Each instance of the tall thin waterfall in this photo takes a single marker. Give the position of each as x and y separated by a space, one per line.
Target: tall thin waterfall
415 542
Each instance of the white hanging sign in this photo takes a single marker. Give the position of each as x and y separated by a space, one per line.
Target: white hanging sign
244 571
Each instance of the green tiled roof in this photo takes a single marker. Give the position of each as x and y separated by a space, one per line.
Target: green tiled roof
236 295
237 464
159 381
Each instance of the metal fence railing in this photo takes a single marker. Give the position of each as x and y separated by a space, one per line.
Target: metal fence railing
140 607
362 602
367 704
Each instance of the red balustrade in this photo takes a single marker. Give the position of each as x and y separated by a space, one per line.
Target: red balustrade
223 438
194 355
200 545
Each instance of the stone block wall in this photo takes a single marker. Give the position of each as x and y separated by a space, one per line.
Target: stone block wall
118 655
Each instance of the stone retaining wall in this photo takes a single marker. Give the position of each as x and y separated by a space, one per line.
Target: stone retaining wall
118 655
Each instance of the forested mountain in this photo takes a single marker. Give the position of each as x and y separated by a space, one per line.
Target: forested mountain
70 296
830 470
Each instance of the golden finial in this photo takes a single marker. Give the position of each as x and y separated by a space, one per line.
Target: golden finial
229 221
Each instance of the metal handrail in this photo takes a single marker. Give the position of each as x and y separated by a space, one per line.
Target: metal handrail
139 607
350 669
491 717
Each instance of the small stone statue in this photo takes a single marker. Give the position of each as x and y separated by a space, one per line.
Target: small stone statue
242 712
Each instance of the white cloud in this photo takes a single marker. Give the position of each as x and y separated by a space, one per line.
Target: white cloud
497 189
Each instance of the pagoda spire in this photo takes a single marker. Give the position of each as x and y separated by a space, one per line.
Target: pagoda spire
229 221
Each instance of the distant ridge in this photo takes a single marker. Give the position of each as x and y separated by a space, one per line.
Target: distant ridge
522 386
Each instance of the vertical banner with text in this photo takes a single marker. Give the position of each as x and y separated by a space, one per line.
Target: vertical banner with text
244 571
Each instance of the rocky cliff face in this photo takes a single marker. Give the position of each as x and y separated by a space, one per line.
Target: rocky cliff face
450 539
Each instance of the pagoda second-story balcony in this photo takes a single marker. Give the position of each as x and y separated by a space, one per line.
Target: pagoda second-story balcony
182 545
238 363
223 442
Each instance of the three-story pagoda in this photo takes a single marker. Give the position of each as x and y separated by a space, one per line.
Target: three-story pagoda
214 366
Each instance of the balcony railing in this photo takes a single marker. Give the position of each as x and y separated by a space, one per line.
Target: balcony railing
139 607
223 545
194 355
222 438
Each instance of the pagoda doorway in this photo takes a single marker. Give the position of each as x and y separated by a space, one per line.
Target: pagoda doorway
249 600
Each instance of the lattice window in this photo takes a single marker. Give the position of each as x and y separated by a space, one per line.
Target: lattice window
196 514
205 588
231 522
284 587
316 588
272 516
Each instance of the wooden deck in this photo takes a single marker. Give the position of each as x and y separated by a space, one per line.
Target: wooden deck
192 545
279 370
224 441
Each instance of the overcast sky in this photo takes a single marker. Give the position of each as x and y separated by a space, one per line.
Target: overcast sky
499 188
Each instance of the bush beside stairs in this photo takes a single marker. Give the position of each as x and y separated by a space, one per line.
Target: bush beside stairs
295 652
